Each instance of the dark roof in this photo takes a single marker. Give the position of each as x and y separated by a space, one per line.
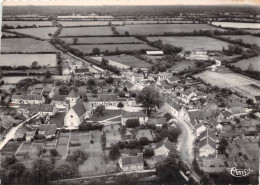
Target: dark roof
198 125
126 114
213 122
107 97
168 116
81 107
73 94
207 141
59 97
208 134
6 124
58 119
81 70
168 144
257 98
20 132
28 97
49 129
132 160
173 79
46 108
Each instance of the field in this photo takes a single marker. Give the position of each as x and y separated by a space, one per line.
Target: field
155 22
27 59
103 40
10 148
161 28
180 66
246 38
243 64
191 43
252 31
237 25
81 31
113 47
16 79
7 34
27 23
26 45
88 23
128 60
24 148
37 32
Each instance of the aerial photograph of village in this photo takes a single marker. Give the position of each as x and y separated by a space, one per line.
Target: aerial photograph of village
130 92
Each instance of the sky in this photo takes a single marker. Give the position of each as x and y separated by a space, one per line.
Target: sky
126 2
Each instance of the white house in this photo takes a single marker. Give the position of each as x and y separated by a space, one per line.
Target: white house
28 99
59 101
200 54
47 110
163 148
141 116
199 128
215 124
131 163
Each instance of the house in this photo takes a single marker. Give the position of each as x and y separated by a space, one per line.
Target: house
7 88
215 124
20 133
137 78
199 54
207 134
104 99
173 107
141 116
187 95
37 91
77 114
47 110
59 101
72 97
210 165
155 53
163 148
251 132
207 143
192 117
29 135
131 163
28 99
47 130
173 80
28 110
163 76
199 128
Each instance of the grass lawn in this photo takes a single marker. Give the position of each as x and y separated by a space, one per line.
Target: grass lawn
246 38
78 31
28 59
26 45
190 43
108 114
26 146
161 28
113 47
27 23
128 60
102 40
37 32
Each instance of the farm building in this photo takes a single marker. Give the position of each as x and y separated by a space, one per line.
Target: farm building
155 53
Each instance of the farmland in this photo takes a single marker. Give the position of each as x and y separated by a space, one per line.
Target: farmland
27 59
161 28
37 32
180 66
26 45
237 25
27 23
128 60
191 43
102 40
113 47
88 23
81 31
243 64
246 38
160 22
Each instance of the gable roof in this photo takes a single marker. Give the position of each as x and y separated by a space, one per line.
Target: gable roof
73 94
132 160
46 108
59 97
173 79
213 122
166 143
198 125
20 132
208 134
49 129
207 141
81 107
28 97
197 114
126 114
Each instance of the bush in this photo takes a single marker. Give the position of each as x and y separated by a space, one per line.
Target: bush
54 152
78 156
132 123
148 152
114 153
144 141
120 105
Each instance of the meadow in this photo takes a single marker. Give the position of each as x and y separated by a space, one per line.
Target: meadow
156 22
113 47
27 59
128 60
81 31
180 66
252 31
24 45
37 32
88 23
8 34
27 23
102 40
246 38
237 25
243 64
190 43
161 28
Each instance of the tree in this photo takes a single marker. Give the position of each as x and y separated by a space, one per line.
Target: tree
50 35
109 80
132 123
34 64
41 172
114 153
222 146
91 82
148 152
206 179
121 94
100 110
75 40
54 152
125 89
150 98
144 141
65 171
78 156
48 74
85 98
120 105
64 90
96 51
126 33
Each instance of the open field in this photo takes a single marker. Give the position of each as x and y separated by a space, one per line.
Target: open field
27 23
27 59
128 60
37 32
88 23
113 47
113 63
81 31
237 25
161 28
26 45
7 34
158 22
102 40
180 66
243 64
16 79
252 31
191 43
249 39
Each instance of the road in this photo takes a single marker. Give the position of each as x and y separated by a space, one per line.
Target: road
10 134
